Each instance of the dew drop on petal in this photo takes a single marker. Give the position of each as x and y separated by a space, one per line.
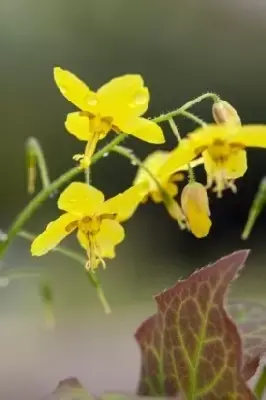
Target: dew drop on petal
133 162
106 154
92 100
140 98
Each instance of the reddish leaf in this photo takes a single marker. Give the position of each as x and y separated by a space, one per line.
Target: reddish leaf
251 321
191 346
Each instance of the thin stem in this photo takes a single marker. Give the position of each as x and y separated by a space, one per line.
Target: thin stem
177 135
125 152
81 260
193 118
35 156
255 209
186 106
36 202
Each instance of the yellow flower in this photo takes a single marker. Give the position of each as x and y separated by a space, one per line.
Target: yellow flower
162 187
195 205
116 106
96 221
223 151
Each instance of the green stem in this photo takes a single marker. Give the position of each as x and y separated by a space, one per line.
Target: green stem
177 135
255 209
81 260
125 152
194 118
186 106
35 156
36 202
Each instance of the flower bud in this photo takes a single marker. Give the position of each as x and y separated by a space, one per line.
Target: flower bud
195 205
224 113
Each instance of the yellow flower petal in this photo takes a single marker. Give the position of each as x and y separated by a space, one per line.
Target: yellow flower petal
153 163
251 136
81 199
83 239
75 91
179 157
195 205
125 204
54 233
78 124
110 234
123 97
235 167
199 222
143 129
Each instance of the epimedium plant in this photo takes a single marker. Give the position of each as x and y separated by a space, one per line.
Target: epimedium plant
191 347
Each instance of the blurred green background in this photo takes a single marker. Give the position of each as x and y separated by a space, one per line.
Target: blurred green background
182 48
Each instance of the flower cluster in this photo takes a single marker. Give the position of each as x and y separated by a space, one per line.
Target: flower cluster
118 106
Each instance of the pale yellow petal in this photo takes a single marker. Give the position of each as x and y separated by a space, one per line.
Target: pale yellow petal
125 204
179 157
123 97
153 163
143 129
110 234
54 233
75 91
81 199
78 124
250 136
83 239
235 167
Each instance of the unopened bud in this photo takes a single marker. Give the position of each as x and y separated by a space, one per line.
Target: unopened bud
224 113
195 205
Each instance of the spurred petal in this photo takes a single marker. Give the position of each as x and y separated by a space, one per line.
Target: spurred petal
251 136
78 124
53 234
75 91
110 234
123 98
125 204
81 199
144 129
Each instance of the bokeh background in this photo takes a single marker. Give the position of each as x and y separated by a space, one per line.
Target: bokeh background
182 48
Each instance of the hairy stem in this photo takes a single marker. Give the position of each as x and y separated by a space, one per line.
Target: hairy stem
81 260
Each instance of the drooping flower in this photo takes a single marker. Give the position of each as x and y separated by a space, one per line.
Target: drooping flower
161 184
223 150
117 106
195 205
96 220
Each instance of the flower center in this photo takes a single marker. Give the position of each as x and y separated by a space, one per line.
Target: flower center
91 226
